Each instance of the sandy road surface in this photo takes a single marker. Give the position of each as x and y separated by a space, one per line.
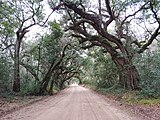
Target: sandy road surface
74 103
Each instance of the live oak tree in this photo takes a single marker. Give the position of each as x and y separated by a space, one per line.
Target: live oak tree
121 27
27 13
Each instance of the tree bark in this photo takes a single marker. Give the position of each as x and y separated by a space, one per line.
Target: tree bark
128 74
16 82
51 87
61 84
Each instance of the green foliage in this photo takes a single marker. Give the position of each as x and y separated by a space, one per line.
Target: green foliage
101 69
29 88
149 68
55 89
7 21
9 98
149 101
56 29
114 90
51 44
5 75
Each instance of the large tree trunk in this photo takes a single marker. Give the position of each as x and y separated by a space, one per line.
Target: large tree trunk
128 74
46 79
51 87
45 82
16 82
61 84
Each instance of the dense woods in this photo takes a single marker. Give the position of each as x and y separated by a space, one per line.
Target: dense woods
108 44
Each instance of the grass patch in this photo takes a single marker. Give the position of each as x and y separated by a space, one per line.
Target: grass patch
112 90
10 98
93 87
131 97
150 101
135 97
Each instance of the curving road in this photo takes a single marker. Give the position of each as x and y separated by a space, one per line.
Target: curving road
73 103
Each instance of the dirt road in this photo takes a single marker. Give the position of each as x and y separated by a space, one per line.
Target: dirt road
74 103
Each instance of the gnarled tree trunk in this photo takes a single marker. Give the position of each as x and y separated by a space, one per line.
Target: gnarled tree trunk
128 74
